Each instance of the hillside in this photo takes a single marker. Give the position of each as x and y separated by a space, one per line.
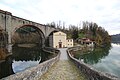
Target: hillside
115 38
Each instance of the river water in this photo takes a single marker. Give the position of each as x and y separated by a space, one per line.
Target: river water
103 59
22 58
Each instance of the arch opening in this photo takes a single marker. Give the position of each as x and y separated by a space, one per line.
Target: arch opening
28 36
49 39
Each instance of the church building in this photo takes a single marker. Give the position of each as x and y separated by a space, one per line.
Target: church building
59 40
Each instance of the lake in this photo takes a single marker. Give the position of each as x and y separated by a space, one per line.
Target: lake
103 59
22 58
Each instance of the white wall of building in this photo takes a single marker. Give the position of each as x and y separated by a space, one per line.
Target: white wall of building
59 37
58 40
69 42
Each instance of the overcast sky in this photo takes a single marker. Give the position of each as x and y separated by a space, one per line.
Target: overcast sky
105 13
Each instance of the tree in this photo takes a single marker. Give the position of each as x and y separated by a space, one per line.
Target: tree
52 24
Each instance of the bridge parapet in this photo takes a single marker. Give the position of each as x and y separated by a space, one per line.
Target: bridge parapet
36 72
87 70
5 12
11 23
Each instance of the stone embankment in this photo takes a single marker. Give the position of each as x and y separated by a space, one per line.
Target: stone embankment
64 69
87 70
34 73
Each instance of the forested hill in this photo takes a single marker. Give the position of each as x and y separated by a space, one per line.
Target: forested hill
115 38
89 30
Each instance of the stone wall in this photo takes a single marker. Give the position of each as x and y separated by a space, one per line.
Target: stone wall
87 70
34 73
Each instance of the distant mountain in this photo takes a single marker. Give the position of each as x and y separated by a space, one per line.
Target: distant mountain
115 38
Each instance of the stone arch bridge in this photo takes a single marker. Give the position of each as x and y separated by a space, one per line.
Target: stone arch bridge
11 23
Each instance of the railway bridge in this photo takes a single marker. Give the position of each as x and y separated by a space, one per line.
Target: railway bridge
11 24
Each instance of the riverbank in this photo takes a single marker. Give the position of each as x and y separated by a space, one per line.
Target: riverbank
89 71
4 54
26 45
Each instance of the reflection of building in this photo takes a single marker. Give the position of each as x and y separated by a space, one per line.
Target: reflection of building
58 40
86 41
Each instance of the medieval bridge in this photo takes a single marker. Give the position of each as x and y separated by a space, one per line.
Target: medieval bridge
11 23
63 70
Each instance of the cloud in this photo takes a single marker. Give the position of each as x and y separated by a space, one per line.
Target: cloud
104 12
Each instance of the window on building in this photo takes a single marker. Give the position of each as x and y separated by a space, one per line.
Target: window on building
68 44
59 33
68 40
71 40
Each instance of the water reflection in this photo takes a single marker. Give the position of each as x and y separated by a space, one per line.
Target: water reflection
21 59
92 57
118 43
26 54
103 59
6 67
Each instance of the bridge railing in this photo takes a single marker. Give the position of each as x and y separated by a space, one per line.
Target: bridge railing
87 70
34 73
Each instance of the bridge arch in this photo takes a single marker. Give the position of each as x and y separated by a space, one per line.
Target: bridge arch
51 33
48 37
32 28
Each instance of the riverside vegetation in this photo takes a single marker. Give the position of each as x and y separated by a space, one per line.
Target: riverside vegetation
87 30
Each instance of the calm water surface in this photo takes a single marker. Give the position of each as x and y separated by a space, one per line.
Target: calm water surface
22 58
103 59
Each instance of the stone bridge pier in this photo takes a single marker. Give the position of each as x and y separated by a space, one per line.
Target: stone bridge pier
11 23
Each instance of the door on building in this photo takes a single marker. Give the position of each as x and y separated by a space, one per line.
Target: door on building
60 44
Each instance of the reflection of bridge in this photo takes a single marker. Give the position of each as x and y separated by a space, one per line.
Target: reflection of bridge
52 69
11 23
67 71
63 69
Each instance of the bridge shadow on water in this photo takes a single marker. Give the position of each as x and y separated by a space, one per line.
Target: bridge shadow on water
21 59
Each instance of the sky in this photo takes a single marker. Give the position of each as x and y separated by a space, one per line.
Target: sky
106 13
